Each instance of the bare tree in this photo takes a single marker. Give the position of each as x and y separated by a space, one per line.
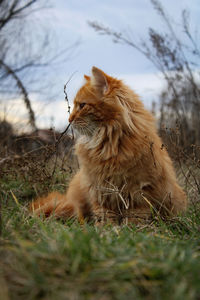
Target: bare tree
24 46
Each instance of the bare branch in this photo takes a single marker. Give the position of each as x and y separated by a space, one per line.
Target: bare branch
13 11
23 91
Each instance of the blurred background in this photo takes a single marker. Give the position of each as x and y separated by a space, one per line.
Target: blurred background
152 45
44 43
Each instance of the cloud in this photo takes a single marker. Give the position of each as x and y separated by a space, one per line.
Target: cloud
148 85
47 114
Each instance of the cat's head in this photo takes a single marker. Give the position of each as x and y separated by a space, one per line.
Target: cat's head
96 103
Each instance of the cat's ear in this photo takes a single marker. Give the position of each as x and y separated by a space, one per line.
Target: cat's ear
87 78
99 80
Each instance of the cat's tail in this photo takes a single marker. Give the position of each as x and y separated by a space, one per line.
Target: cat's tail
55 204
71 204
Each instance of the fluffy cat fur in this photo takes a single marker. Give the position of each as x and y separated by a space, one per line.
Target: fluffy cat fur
125 173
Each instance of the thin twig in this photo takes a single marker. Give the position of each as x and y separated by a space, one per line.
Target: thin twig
68 126
66 98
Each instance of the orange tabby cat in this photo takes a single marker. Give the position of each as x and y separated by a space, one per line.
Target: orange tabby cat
125 172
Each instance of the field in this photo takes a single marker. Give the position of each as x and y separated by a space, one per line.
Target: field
49 259
44 50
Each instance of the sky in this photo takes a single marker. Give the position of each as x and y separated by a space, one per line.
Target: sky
68 23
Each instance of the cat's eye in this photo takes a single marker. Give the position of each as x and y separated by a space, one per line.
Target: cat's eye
81 105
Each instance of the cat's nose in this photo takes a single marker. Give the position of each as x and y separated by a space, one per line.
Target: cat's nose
71 118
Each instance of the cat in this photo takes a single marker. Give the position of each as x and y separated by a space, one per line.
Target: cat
125 175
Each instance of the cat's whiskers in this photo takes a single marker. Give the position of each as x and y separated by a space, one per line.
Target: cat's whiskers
82 128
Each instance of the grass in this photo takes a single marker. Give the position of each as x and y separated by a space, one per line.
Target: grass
49 259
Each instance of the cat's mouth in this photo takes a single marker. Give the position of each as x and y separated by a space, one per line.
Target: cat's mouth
83 129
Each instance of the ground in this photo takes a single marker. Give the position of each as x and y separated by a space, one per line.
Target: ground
49 259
